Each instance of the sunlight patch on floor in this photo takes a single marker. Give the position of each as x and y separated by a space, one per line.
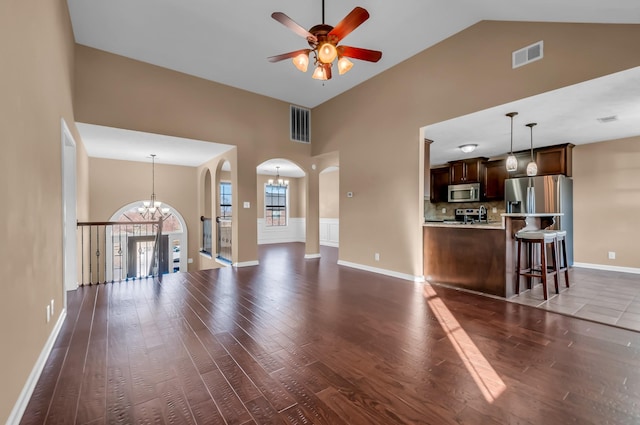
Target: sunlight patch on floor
477 365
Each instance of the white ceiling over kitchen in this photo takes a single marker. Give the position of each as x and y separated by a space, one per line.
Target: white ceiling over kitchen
567 115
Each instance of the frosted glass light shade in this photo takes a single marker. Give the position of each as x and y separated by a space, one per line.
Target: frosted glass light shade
327 53
344 65
319 73
301 62
512 163
532 169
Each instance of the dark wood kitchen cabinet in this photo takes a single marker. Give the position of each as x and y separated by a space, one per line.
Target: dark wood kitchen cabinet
550 160
555 160
495 173
466 171
439 184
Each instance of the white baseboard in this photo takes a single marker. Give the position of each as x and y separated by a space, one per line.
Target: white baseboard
32 380
412 278
246 263
607 268
331 244
294 231
310 256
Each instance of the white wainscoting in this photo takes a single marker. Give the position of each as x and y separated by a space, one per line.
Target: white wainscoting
295 231
329 231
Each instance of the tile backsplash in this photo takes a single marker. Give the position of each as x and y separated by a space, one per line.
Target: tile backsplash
434 211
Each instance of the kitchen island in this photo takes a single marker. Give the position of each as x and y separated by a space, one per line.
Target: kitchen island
479 256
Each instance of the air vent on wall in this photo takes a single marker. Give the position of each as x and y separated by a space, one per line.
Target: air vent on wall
527 54
299 124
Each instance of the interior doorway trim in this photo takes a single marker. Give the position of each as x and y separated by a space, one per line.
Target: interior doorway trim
69 213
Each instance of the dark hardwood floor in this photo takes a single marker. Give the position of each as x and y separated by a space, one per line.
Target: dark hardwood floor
297 341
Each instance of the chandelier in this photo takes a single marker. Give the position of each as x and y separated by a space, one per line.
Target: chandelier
278 181
153 209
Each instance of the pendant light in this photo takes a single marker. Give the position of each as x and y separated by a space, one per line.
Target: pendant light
512 161
278 181
532 167
152 209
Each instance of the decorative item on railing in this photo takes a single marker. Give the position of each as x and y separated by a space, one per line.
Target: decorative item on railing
153 209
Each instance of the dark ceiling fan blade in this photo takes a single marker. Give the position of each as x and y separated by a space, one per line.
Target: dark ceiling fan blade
292 25
284 56
350 22
358 53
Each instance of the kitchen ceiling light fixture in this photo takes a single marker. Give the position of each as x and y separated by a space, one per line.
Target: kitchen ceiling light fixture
532 167
153 209
512 161
278 181
468 148
323 40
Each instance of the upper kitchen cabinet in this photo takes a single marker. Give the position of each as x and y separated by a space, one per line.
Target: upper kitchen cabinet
555 160
495 173
466 171
550 160
439 184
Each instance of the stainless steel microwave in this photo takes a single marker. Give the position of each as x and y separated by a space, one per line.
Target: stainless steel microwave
464 192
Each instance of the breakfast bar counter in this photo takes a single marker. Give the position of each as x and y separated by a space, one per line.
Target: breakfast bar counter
479 256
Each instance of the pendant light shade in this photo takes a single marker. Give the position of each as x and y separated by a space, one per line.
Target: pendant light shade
532 167
512 161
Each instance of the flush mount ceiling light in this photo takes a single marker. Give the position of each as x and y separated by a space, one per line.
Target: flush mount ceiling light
153 209
470 147
532 167
512 161
323 40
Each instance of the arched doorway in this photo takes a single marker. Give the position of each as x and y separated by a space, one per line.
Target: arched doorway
281 203
329 206
128 252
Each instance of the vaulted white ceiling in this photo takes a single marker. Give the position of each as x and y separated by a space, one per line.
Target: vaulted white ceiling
229 41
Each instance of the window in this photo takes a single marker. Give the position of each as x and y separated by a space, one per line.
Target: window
225 200
275 203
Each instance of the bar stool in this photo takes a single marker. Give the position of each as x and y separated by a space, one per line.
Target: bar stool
562 262
542 239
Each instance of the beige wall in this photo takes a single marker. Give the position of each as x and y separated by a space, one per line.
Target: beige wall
329 194
606 189
296 196
375 126
115 91
36 74
114 184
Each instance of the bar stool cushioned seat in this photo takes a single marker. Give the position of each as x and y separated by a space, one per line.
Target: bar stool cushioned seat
541 239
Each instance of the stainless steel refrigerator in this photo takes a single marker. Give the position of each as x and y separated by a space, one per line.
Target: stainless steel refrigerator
544 194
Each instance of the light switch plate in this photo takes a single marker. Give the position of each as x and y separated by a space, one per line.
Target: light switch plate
247 204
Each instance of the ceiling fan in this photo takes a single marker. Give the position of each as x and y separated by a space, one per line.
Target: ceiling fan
323 40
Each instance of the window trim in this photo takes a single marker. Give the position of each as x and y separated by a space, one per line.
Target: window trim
287 217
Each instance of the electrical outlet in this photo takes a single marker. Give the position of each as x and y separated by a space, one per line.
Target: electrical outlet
494 210
444 211
52 310
48 313
376 256
190 261
612 255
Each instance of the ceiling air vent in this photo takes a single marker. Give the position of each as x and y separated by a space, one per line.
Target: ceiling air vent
605 120
527 55
299 124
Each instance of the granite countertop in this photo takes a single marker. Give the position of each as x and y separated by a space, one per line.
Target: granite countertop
532 214
459 225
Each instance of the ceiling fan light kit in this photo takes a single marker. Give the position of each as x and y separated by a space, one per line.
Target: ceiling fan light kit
323 40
